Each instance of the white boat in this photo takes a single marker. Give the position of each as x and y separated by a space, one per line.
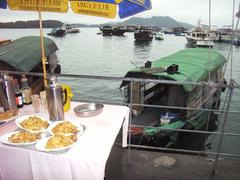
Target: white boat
71 28
200 38
159 36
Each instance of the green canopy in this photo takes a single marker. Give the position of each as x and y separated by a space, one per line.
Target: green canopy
25 53
193 66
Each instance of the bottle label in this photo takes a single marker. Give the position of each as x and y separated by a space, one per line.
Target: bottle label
20 102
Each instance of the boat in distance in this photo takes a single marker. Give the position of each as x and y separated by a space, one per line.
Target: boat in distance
70 28
57 32
159 36
143 34
200 39
179 103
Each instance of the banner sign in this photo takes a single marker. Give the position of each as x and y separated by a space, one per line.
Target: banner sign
92 8
45 5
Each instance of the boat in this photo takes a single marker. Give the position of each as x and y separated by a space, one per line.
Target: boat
24 55
236 41
113 30
224 35
106 30
70 28
200 38
143 34
168 31
180 103
118 30
159 36
179 31
57 32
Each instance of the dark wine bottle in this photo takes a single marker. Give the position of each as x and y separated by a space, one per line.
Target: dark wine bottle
18 94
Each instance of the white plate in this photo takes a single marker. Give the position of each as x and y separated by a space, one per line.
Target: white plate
12 118
22 118
80 128
4 140
41 144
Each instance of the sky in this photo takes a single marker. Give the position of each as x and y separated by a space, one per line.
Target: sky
188 11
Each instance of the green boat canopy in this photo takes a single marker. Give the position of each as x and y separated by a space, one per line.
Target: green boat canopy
25 53
193 66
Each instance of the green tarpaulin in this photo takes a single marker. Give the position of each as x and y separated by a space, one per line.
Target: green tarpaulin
194 65
25 53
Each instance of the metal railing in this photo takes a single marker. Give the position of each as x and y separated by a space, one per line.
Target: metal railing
223 112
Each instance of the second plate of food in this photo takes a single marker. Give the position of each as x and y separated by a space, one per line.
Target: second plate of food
66 128
32 123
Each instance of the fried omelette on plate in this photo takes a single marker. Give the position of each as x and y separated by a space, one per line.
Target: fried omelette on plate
60 141
24 137
34 124
65 127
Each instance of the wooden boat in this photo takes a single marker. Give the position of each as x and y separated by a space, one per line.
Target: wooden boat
236 41
143 34
188 65
24 55
57 32
119 31
106 30
113 31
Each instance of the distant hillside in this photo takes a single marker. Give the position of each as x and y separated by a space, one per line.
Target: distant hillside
160 21
31 24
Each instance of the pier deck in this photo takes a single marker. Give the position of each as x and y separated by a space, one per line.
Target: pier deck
149 165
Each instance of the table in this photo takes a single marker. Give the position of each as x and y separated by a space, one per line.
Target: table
86 160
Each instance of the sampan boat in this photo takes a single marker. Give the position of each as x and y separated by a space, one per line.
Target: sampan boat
180 103
24 55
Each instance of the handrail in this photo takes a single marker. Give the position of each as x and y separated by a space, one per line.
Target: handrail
131 104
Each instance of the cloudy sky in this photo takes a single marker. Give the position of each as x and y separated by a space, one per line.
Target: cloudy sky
188 11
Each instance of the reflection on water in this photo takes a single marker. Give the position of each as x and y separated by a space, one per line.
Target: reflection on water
142 52
142 43
187 45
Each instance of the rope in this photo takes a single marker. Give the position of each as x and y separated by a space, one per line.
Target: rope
209 72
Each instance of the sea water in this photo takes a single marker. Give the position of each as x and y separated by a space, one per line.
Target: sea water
87 53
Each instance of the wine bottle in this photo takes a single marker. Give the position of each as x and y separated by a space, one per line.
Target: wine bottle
18 94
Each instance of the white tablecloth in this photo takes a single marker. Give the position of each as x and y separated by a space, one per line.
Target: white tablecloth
86 160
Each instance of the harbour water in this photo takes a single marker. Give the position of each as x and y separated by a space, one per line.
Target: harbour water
87 53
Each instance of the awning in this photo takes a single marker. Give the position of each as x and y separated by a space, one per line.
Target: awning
25 53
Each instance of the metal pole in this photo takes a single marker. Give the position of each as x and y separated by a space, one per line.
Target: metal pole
233 15
223 128
42 46
130 122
